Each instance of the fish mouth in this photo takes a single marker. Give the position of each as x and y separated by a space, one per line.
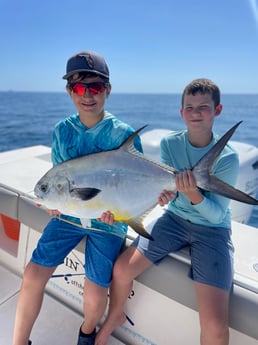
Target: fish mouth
38 195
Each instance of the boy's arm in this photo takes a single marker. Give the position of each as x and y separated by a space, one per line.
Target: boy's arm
213 207
55 151
55 157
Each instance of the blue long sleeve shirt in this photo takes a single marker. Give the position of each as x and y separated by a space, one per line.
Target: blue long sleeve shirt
72 139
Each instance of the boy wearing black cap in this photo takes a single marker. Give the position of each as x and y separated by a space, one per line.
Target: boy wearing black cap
90 130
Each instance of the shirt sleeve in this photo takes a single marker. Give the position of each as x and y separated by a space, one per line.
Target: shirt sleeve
55 151
214 206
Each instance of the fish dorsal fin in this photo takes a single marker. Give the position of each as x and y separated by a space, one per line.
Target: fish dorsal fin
128 143
129 147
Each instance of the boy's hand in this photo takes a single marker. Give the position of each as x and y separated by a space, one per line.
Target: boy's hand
50 212
107 217
185 183
165 197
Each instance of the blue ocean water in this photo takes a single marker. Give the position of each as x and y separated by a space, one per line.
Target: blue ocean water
28 118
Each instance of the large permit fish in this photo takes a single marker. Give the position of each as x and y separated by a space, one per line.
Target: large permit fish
125 182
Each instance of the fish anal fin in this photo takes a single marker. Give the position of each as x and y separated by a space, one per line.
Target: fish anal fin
218 186
84 193
137 226
137 223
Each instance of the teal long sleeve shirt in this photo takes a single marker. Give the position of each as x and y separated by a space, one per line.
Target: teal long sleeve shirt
214 210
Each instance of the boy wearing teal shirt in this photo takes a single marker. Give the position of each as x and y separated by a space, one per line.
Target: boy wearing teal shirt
213 210
91 130
193 218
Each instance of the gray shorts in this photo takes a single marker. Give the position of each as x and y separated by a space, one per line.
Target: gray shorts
211 248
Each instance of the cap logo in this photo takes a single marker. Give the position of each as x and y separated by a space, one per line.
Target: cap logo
89 61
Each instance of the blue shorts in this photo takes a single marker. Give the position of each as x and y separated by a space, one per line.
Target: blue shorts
59 238
211 248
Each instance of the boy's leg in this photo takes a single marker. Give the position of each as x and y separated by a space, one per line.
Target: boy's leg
127 267
213 305
30 300
57 240
95 301
212 270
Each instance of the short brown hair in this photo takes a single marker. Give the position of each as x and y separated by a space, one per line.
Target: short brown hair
79 76
202 86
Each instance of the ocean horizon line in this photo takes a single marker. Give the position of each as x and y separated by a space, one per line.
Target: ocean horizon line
132 93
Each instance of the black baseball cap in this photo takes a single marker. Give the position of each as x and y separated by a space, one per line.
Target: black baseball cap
87 61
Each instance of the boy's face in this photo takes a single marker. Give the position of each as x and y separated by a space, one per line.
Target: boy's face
199 111
90 105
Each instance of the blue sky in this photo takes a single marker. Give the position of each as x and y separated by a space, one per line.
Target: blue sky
155 46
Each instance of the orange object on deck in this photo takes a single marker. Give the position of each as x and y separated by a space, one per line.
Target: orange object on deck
11 227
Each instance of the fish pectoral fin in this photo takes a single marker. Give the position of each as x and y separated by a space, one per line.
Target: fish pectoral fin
136 225
222 188
84 193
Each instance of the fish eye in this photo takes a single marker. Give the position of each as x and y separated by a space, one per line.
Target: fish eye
44 187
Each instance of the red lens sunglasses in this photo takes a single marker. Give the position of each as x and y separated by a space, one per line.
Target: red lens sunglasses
94 88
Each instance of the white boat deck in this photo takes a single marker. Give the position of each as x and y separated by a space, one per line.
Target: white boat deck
56 324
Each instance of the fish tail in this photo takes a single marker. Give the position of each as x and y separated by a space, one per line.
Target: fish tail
224 189
202 173
210 157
